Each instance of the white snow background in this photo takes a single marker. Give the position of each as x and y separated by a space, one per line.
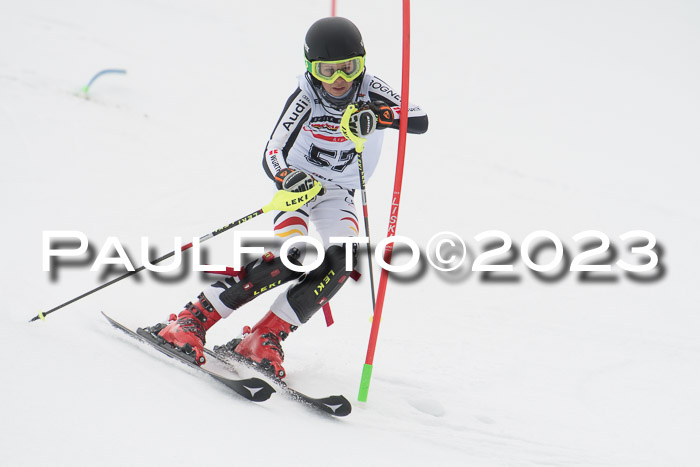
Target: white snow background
558 115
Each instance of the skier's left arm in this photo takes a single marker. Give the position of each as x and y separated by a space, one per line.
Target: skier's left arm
381 95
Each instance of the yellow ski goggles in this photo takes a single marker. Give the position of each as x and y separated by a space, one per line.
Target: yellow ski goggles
329 70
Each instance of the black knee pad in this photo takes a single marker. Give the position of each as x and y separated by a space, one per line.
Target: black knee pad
257 278
321 284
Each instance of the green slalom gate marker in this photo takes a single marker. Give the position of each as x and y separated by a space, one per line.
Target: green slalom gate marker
364 382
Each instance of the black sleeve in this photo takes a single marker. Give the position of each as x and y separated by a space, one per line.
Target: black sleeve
417 117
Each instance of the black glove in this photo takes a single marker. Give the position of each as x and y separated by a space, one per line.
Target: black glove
370 116
294 180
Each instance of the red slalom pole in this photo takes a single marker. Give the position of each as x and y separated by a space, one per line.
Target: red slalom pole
396 199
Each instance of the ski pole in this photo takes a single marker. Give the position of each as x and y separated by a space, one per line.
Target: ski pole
359 147
282 201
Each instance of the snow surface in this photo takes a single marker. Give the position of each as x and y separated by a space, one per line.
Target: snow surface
565 116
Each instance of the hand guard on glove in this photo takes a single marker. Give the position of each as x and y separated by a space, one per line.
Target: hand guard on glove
294 180
370 116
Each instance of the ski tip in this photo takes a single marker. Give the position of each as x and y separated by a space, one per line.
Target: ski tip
343 411
342 406
259 390
337 406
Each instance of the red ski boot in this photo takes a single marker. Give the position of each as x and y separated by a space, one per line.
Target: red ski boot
262 343
189 330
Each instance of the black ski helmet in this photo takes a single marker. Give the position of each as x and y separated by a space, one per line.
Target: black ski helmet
333 38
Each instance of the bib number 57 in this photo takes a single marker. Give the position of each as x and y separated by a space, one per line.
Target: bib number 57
336 160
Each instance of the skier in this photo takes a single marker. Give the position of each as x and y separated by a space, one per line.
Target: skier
306 145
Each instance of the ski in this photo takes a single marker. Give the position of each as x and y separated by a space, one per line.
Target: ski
253 389
336 405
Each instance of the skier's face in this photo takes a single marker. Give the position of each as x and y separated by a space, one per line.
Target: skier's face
338 87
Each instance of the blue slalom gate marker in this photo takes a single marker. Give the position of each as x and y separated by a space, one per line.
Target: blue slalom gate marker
86 88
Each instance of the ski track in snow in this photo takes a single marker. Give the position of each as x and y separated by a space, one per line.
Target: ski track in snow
565 117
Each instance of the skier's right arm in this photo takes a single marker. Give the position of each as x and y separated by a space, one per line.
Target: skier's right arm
296 111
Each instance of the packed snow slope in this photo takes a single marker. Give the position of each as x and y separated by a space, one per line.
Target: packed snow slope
560 116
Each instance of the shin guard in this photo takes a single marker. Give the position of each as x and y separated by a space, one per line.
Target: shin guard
320 285
257 278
